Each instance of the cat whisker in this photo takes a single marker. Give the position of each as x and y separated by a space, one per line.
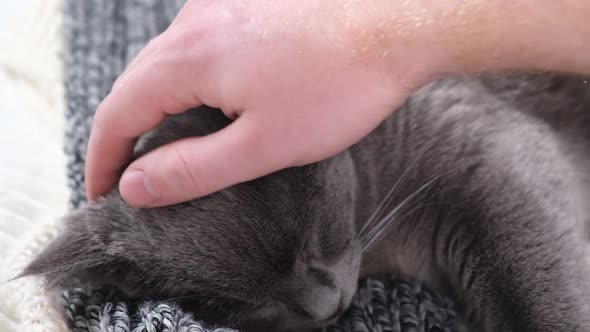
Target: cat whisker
380 209
397 209
389 197
391 216
401 211
384 230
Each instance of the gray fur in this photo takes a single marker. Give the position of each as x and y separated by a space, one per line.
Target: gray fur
500 224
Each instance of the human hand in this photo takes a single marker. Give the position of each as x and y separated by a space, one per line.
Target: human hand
304 80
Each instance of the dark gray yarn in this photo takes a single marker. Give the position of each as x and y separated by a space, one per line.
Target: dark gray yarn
393 305
101 37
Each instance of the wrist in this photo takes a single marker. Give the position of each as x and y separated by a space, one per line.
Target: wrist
401 39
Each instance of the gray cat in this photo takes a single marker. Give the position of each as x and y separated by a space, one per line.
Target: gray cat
477 186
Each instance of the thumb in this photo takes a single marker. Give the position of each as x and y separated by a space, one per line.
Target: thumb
195 167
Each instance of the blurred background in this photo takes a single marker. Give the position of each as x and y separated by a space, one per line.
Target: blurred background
32 163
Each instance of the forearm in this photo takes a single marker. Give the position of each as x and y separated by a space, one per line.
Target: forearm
518 35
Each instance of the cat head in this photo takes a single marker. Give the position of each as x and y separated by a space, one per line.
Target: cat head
271 254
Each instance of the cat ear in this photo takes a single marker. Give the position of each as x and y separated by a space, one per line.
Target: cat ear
77 255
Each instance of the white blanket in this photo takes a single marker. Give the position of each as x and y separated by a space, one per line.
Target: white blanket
33 191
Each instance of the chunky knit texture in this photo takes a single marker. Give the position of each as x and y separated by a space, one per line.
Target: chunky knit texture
101 37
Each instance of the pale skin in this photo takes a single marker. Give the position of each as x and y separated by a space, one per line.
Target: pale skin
304 80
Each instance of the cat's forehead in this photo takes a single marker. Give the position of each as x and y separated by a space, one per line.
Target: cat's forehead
279 205
286 193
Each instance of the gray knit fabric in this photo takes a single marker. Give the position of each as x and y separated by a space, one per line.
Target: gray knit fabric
101 37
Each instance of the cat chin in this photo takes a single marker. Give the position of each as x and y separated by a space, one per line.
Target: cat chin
275 317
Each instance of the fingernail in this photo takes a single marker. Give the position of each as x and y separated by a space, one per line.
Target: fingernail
137 189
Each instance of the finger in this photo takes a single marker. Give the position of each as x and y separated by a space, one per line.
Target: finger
196 167
155 86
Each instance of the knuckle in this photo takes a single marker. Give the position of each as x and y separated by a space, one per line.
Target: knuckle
101 119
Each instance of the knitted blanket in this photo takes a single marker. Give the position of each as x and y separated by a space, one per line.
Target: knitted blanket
101 37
